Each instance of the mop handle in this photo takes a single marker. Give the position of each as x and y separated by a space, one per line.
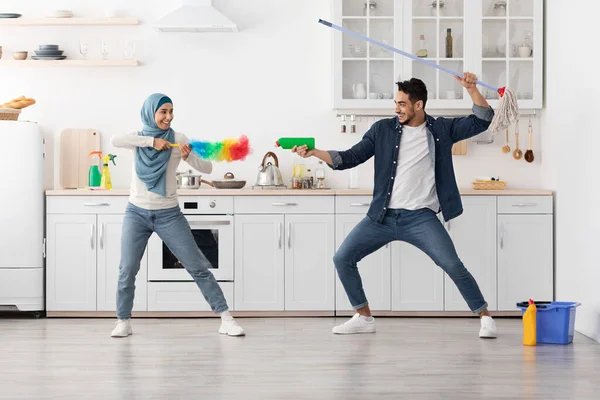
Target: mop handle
385 46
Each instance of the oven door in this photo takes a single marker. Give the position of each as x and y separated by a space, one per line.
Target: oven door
213 234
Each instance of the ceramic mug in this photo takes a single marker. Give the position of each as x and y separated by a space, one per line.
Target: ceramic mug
524 51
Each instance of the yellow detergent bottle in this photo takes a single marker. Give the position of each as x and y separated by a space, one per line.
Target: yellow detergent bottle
529 325
106 182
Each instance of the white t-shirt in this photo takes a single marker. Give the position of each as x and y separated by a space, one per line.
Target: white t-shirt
139 195
414 184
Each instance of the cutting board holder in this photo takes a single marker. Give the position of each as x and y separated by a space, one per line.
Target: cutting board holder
75 147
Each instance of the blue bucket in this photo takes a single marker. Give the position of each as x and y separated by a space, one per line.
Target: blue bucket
555 321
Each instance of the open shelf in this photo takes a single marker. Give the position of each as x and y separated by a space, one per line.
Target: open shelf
69 63
68 21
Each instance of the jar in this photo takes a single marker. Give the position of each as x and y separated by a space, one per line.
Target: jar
296 183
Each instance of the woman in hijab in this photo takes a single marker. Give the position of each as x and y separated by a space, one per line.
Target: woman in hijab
154 207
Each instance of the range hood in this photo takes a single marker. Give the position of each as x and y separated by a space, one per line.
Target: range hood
196 16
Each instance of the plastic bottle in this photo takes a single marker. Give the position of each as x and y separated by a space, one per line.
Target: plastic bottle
94 176
106 182
529 325
288 143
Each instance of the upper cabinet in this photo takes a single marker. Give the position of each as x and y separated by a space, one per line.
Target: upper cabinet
499 40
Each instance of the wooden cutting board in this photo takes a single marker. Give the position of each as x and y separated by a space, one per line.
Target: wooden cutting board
75 147
460 148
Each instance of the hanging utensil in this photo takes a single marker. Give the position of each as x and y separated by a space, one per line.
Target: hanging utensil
517 154
506 147
529 153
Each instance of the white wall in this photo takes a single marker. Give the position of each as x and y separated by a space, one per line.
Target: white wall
272 79
571 161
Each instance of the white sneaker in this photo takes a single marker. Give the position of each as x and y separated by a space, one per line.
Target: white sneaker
122 328
357 324
230 327
488 328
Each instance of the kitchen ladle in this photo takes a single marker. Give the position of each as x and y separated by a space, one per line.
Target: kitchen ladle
517 154
529 152
506 147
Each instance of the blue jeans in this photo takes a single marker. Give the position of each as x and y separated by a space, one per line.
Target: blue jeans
420 228
173 229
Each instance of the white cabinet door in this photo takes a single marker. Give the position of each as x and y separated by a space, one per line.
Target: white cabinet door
309 270
109 258
374 270
417 283
474 237
364 74
259 263
524 259
71 263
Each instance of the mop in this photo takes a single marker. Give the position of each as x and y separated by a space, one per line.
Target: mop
508 111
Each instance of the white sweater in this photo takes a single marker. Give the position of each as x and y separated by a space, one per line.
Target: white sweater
139 195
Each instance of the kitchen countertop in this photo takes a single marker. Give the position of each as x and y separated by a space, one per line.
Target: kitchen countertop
287 192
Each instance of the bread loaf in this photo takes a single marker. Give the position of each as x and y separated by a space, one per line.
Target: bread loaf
19 103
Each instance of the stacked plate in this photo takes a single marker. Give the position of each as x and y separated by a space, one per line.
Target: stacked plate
9 15
49 52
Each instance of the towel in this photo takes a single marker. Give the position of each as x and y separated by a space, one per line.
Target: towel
151 164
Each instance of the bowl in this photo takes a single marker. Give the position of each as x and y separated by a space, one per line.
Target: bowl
19 55
48 47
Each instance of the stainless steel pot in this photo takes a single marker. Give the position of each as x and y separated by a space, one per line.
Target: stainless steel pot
269 174
189 180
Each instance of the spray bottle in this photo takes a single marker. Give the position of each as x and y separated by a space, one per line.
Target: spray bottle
106 182
288 143
94 176
529 325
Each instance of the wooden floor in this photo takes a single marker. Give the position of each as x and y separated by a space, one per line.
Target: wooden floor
288 358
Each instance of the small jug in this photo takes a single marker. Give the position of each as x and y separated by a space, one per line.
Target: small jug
359 91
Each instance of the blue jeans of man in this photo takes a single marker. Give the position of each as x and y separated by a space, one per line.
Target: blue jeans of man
173 229
421 228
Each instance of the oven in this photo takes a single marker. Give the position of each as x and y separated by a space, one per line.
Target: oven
211 222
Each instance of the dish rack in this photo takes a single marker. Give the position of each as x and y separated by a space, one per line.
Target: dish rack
489 185
9 114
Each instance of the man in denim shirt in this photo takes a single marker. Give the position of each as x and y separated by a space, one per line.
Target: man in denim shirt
414 180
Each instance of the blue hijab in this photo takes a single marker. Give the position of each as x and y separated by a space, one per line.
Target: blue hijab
151 164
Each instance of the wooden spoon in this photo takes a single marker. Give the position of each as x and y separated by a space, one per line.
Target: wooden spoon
506 147
517 154
529 152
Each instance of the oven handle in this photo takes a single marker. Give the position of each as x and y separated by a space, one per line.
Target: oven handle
205 223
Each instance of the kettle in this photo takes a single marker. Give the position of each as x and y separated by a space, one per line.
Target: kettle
269 174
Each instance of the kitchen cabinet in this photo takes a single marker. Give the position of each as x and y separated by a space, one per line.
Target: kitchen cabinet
259 263
284 253
71 263
83 254
417 283
500 41
474 237
284 262
374 270
525 252
83 258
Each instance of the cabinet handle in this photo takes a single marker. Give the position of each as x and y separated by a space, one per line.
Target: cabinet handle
284 204
289 233
279 229
92 229
96 204
101 236
501 236
359 204
524 205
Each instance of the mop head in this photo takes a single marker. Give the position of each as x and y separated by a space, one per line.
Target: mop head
226 150
507 113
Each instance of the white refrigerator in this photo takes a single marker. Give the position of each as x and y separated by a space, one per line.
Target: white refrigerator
22 245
